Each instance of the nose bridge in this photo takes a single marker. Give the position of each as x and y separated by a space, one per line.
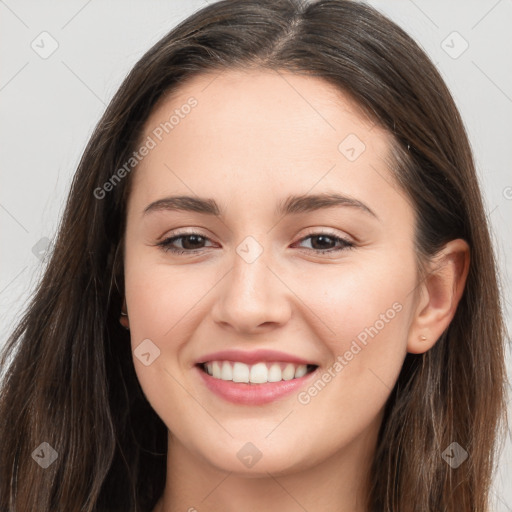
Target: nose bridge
250 273
251 294
250 277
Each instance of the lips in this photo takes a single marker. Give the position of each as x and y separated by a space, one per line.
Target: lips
254 378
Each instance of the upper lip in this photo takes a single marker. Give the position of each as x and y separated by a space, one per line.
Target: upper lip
252 357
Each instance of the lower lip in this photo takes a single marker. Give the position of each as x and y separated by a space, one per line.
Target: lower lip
253 394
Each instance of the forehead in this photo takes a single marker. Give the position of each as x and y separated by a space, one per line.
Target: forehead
275 106
238 131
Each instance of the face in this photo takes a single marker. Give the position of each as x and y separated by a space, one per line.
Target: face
264 283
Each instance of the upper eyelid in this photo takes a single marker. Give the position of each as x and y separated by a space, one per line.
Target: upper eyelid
309 234
313 231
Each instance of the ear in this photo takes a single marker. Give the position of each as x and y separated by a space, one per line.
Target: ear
438 295
123 318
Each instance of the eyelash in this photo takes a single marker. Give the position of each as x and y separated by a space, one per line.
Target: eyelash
167 247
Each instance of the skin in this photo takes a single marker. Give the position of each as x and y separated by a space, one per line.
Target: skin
254 138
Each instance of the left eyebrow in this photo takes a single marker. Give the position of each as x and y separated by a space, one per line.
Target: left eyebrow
312 202
291 205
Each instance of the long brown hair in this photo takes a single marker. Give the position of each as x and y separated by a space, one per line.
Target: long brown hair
70 381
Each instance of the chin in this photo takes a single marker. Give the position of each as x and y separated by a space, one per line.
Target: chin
247 460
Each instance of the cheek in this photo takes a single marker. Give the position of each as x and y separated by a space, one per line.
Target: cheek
165 307
365 313
161 298
361 301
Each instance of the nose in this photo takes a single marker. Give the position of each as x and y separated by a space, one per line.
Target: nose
252 297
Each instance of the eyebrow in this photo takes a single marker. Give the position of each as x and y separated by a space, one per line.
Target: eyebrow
291 205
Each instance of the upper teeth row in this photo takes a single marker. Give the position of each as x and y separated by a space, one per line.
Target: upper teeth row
258 373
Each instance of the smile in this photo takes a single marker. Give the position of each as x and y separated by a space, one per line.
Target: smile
258 373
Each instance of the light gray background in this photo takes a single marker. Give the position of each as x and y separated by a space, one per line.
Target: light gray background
49 107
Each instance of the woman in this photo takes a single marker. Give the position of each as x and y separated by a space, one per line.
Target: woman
273 286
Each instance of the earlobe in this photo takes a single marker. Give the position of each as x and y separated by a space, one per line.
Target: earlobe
123 319
440 292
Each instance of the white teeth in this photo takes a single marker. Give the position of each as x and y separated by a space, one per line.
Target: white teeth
289 372
216 370
227 371
274 374
301 371
240 372
258 373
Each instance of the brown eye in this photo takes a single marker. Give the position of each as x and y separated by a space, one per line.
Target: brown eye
190 242
326 242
